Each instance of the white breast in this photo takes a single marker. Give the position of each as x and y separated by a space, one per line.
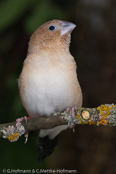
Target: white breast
48 89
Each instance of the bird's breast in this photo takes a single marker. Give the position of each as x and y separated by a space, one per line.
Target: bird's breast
48 88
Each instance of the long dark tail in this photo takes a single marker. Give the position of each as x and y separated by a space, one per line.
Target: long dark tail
46 147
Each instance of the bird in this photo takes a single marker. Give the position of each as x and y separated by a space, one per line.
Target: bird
48 81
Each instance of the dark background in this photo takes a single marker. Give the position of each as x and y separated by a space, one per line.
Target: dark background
90 149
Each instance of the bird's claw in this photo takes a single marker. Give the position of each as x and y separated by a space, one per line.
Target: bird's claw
21 119
26 137
72 114
17 123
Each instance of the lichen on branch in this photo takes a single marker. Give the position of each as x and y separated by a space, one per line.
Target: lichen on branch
101 115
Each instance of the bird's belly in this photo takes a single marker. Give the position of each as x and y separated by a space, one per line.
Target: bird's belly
49 92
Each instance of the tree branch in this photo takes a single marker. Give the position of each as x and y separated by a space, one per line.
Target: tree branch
102 115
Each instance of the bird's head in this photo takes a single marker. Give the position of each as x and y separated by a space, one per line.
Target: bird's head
54 35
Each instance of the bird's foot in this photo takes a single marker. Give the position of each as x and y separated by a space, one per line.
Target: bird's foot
72 114
72 111
17 123
21 119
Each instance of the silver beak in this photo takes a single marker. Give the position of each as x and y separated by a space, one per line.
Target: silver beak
68 27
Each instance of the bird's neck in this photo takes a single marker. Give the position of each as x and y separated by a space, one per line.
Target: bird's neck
60 45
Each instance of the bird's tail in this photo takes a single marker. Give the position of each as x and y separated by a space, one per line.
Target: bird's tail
46 146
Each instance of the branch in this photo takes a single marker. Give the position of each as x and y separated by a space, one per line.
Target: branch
102 115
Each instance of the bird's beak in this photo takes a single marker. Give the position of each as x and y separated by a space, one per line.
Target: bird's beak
67 27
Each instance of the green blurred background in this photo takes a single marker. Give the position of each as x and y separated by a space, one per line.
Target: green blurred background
90 149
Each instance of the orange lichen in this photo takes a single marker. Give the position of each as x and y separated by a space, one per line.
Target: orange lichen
105 108
79 118
91 122
104 112
102 121
13 137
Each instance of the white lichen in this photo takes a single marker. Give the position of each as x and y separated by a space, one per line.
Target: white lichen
12 133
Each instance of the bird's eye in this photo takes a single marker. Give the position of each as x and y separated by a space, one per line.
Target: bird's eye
52 28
